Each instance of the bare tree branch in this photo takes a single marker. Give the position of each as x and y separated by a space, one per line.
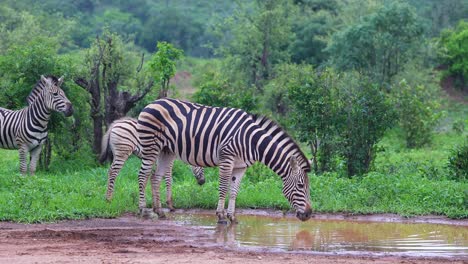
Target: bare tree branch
138 96
82 83
141 63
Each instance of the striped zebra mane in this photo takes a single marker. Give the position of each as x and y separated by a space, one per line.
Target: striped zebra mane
268 124
36 91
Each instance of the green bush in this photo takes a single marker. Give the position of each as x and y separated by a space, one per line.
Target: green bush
458 162
367 114
417 112
215 89
454 51
314 116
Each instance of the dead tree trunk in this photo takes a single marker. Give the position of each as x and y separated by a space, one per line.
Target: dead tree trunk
107 102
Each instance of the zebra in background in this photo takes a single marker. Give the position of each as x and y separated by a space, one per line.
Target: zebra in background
119 142
230 138
26 129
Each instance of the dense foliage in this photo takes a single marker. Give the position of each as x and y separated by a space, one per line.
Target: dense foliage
455 51
458 161
418 114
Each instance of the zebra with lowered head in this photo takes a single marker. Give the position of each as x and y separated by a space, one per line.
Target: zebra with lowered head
26 129
230 138
120 141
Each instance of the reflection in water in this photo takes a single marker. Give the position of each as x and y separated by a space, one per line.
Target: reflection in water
337 236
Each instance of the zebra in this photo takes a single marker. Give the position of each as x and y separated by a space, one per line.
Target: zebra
26 129
120 141
229 138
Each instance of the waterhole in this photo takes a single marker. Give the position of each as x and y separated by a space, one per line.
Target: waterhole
335 236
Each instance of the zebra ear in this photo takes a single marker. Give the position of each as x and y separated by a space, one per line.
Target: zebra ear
293 163
43 79
60 81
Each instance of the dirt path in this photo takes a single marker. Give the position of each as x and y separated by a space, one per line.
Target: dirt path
130 239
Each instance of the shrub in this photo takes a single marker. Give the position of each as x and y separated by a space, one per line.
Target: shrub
215 89
314 117
458 162
417 113
454 51
366 115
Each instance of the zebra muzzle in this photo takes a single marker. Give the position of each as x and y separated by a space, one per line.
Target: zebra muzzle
68 110
304 216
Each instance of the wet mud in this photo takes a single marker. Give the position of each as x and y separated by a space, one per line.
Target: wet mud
186 239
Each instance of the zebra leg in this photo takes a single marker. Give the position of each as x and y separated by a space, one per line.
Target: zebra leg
145 170
164 164
168 179
23 151
237 175
35 153
225 171
114 170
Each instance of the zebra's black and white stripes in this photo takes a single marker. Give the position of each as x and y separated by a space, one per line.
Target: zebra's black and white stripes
226 137
26 129
121 140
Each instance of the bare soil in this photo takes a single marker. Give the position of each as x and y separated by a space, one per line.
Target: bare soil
130 239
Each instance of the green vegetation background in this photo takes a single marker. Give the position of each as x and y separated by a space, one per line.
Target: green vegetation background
232 61
404 182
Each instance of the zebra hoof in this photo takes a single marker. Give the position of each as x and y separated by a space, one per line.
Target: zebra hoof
145 213
222 222
170 206
160 214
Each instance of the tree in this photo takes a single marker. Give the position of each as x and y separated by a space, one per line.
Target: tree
163 65
417 110
338 115
256 39
173 26
315 105
440 14
366 114
215 89
380 44
312 26
108 74
454 52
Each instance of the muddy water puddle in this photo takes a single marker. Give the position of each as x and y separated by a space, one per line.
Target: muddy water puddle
335 236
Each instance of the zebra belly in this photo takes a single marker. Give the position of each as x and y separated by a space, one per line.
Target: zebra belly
38 139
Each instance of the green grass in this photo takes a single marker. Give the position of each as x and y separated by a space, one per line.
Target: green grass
405 182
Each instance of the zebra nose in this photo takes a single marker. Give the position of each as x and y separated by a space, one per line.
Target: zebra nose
201 181
303 216
68 109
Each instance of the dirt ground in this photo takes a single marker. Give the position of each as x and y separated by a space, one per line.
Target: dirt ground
130 239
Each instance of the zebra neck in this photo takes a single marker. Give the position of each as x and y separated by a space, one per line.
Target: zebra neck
39 114
273 155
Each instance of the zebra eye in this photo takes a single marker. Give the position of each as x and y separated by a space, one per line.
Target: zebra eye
55 94
300 185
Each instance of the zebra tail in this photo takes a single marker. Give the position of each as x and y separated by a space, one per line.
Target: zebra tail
105 151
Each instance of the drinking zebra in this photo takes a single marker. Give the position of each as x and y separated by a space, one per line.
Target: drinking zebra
26 129
120 141
226 137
